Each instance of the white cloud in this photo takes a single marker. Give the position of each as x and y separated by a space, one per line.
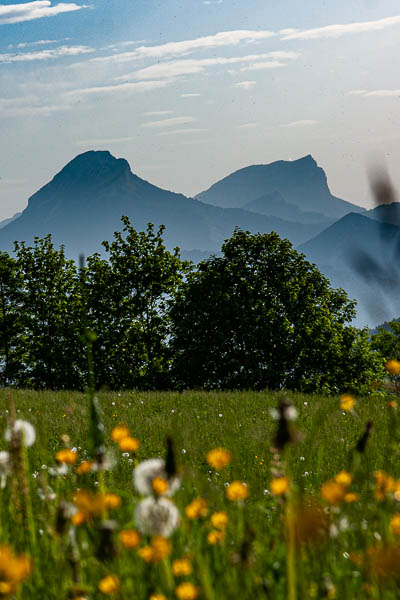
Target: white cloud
190 95
45 54
37 43
32 111
224 38
301 123
258 66
248 126
213 1
28 11
104 141
158 113
191 66
134 87
245 85
376 93
356 92
335 31
182 131
169 122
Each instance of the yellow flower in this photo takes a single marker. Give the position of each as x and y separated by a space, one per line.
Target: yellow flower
13 570
112 500
215 536
236 491
66 456
395 524
393 366
186 591
109 585
351 497
158 597
392 404
181 567
129 444
384 484
347 402
279 486
78 518
159 485
333 492
129 538
84 467
344 478
219 520
158 549
196 509
119 432
218 458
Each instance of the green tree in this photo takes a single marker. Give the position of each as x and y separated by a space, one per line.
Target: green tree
127 304
261 316
50 314
11 341
387 340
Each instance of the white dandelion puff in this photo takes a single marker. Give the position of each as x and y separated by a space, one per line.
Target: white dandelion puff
26 430
147 471
156 517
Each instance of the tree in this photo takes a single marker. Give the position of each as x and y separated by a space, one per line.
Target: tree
11 343
50 309
261 316
387 340
127 304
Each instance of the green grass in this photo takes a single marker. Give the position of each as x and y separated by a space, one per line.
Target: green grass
252 560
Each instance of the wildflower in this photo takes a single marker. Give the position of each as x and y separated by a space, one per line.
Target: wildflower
393 366
158 597
215 536
333 492
279 486
147 471
109 585
156 517
129 538
66 456
344 478
197 508
237 491
159 485
347 402
218 458
78 518
351 497
119 432
25 429
84 467
91 505
384 484
219 520
112 500
181 567
129 444
186 591
395 524
13 570
158 549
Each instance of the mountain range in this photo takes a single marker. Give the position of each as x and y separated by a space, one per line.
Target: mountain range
357 249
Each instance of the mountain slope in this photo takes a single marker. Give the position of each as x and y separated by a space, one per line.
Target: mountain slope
301 182
275 204
84 202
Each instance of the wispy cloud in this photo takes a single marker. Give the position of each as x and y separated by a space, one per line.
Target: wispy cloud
259 66
169 122
247 126
191 66
120 88
375 93
245 85
190 95
301 123
224 38
335 31
28 11
183 131
37 43
45 54
104 141
158 113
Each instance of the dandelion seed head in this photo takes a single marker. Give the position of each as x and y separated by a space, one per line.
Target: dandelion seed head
156 517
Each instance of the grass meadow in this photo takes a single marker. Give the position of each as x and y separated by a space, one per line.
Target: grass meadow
317 518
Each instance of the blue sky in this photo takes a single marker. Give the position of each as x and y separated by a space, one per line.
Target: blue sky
190 91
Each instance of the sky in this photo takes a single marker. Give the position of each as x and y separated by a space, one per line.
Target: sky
189 91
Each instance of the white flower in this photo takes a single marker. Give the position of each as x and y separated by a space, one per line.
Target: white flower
4 460
26 430
147 470
156 517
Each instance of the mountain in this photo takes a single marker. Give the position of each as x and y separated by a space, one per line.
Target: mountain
361 255
7 221
275 204
386 213
301 182
83 204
